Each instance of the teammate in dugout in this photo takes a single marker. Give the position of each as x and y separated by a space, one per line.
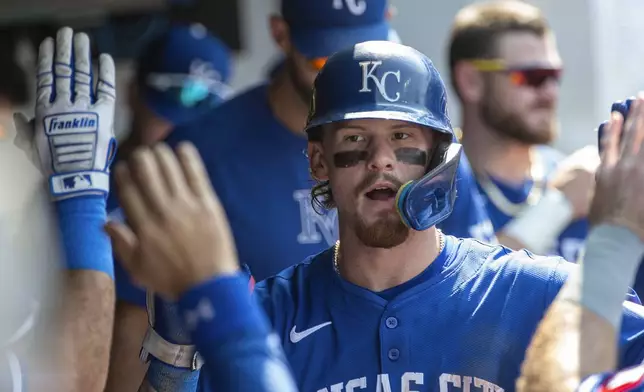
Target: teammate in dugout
506 70
396 304
575 348
181 75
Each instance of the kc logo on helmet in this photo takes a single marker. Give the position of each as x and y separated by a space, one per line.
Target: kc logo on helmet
356 7
368 70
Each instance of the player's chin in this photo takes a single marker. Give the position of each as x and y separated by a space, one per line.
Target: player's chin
385 232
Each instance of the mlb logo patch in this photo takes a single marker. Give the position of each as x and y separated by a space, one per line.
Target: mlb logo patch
77 182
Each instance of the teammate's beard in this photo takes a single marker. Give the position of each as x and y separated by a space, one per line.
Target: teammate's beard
303 89
512 126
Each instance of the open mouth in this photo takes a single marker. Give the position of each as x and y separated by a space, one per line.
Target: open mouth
381 193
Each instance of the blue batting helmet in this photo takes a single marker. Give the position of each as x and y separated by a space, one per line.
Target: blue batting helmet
386 80
380 79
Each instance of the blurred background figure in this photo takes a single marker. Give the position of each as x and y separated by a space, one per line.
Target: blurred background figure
180 76
506 70
29 247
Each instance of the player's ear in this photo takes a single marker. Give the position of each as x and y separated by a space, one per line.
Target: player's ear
317 164
468 81
280 33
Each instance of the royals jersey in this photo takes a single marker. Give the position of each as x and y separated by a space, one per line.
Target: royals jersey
463 324
571 239
627 380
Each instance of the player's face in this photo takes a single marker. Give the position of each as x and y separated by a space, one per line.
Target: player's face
146 127
522 105
366 162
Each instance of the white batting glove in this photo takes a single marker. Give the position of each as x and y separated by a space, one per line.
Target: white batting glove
74 132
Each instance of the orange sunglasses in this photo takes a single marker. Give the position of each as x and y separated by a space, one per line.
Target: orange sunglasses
318 63
532 76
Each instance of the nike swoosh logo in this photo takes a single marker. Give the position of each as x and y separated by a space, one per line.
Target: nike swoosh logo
297 336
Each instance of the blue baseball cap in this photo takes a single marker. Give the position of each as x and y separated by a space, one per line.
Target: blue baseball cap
320 28
184 73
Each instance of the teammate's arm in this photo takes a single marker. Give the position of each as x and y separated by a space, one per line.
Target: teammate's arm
566 199
577 337
126 370
179 245
73 134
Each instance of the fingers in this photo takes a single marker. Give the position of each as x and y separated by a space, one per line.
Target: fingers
633 133
45 75
124 244
174 177
150 180
105 90
610 143
154 179
82 69
130 198
195 171
63 64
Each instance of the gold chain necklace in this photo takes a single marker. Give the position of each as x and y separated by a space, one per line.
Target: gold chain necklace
336 250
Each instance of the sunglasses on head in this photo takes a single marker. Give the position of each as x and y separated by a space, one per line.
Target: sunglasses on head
318 63
531 76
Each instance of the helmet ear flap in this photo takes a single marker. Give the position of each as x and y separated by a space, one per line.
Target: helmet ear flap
440 149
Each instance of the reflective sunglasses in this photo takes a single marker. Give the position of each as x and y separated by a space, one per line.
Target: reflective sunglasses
531 76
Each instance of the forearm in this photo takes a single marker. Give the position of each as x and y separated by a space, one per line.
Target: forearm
88 307
578 334
570 344
538 226
126 370
87 328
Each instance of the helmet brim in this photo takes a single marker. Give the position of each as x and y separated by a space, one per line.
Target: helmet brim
391 112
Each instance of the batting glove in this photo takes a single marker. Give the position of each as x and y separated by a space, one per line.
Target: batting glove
74 133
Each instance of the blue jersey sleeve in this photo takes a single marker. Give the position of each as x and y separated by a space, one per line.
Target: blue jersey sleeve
232 334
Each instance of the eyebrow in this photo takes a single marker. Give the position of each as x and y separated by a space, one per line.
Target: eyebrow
344 125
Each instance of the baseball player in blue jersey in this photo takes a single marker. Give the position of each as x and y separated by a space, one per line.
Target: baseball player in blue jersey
395 305
506 69
574 348
179 76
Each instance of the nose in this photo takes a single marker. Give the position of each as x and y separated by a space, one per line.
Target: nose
382 156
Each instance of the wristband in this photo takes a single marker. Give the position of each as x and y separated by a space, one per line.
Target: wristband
219 307
611 259
538 226
85 244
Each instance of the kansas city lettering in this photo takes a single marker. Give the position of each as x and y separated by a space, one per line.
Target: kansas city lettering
412 382
71 123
